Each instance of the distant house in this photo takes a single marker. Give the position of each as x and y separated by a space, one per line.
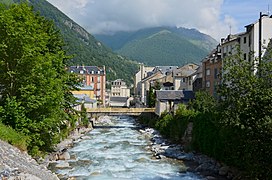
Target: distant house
212 66
119 89
85 95
92 76
197 83
168 100
120 94
158 74
88 90
184 77
86 100
139 76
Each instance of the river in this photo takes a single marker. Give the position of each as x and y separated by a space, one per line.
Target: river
116 149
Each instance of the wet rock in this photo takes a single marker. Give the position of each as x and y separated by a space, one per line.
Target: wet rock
207 168
85 137
62 165
186 157
64 156
210 178
73 156
223 171
71 178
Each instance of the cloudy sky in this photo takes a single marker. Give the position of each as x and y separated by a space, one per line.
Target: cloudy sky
214 17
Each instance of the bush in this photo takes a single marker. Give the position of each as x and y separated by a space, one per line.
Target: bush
174 126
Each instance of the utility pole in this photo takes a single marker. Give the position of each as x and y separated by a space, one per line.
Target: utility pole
260 37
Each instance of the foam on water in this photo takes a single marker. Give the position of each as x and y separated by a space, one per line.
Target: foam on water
117 150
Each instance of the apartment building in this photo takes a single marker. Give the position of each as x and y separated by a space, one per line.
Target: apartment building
119 88
212 66
184 77
252 45
139 76
92 76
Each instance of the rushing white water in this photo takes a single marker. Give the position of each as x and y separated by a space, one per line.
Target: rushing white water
117 150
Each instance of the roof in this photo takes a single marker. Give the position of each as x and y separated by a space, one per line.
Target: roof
86 70
118 80
85 88
118 99
151 76
174 95
214 55
84 97
164 69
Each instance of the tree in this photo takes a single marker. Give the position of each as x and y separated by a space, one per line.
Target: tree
33 78
151 99
245 102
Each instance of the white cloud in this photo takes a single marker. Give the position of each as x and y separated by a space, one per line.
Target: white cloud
105 16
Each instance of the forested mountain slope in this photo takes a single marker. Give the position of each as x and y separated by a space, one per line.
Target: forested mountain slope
85 48
161 45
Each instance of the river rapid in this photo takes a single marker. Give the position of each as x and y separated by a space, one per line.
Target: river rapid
117 149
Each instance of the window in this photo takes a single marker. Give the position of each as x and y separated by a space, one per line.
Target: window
215 73
245 56
208 84
208 72
245 39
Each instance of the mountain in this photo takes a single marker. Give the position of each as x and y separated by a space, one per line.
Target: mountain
82 45
161 45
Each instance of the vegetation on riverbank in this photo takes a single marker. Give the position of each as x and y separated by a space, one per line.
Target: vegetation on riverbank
13 137
235 128
36 100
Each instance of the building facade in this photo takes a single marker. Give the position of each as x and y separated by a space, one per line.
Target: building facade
92 76
119 89
212 66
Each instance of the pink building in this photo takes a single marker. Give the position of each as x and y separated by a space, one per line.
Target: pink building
93 76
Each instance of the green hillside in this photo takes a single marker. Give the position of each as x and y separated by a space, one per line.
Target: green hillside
161 45
85 48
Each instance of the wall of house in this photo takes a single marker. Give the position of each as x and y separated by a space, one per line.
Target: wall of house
211 79
119 104
90 93
160 107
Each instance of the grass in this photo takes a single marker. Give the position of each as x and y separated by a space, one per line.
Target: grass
14 138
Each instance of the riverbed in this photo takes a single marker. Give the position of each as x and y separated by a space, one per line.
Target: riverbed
117 149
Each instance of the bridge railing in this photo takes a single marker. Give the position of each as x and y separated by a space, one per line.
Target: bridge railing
120 110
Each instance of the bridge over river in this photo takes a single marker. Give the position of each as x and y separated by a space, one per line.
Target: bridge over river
120 111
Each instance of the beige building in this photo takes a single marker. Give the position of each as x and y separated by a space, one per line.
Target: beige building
119 89
184 77
141 74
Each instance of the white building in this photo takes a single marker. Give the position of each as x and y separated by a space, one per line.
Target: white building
139 76
120 94
119 89
256 38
